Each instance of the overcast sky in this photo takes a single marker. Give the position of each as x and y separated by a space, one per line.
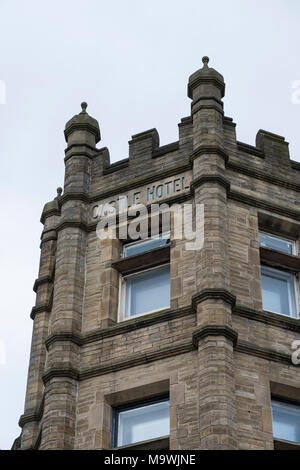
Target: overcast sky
130 60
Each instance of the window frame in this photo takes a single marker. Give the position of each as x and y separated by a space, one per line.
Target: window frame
284 274
138 242
133 405
122 294
289 240
283 401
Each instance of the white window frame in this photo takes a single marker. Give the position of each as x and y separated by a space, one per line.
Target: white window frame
279 238
287 405
134 406
122 294
284 275
137 242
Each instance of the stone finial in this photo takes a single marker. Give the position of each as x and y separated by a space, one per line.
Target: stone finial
205 61
59 193
206 82
82 129
83 106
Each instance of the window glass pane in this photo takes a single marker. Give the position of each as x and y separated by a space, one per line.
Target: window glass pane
286 421
278 291
276 243
147 291
143 423
146 245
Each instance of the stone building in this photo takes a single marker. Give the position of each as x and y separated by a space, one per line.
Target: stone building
148 344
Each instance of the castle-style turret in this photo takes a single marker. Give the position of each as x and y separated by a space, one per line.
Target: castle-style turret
215 336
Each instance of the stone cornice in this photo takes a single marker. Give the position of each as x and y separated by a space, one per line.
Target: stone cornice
268 318
33 414
263 353
81 339
72 223
203 179
44 280
263 176
28 418
46 307
218 294
79 154
207 106
73 196
208 150
82 144
138 359
48 239
175 350
121 328
198 80
260 204
63 371
49 213
208 97
215 330
63 336
85 126
113 366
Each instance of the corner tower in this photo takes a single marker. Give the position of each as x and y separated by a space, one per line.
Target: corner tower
189 340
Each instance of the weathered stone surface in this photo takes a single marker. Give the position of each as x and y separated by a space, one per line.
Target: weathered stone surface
215 352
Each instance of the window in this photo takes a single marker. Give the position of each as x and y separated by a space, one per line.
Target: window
145 245
141 422
286 421
278 291
278 285
146 291
145 277
276 243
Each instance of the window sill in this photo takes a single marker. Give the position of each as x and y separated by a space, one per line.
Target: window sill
281 444
131 317
148 259
281 314
161 443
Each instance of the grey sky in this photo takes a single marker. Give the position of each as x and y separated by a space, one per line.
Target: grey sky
130 60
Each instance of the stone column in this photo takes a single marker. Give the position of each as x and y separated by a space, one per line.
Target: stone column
43 286
61 375
215 338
